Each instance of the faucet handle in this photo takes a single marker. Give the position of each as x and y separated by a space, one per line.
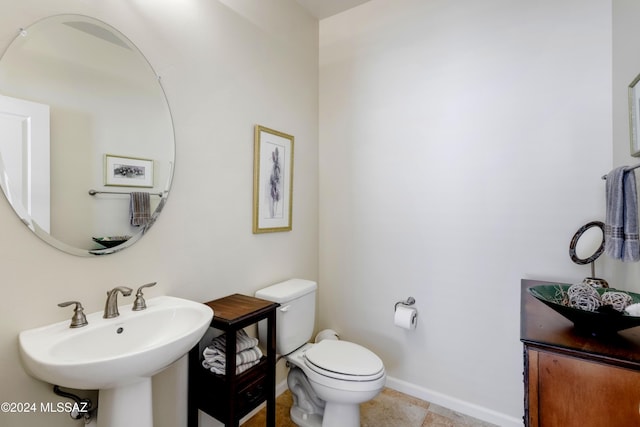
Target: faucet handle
140 304
79 319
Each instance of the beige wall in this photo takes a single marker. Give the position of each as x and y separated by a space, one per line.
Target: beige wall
461 146
226 66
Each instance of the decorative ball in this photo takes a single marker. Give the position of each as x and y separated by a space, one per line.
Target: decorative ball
581 289
584 297
618 300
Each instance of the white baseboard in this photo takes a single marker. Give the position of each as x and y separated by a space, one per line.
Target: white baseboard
454 404
281 387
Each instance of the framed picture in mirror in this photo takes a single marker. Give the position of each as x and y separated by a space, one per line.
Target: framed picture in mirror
127 171
273 180
634 116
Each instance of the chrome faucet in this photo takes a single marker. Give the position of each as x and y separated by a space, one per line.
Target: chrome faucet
111 306
140 304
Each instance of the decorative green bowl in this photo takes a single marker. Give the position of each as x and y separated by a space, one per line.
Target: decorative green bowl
605 320
110 242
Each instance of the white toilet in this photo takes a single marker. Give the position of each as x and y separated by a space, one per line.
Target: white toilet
329 379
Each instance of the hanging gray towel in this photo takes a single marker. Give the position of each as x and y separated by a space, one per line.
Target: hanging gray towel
621 224
140 208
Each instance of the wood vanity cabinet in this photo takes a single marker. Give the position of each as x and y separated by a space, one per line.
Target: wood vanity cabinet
574 379
230 397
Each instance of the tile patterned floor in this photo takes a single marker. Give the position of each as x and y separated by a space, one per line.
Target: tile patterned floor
389 409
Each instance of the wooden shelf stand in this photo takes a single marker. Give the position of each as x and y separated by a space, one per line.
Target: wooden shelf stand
230 397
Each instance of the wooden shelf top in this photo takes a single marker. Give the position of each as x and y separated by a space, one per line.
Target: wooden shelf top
237 308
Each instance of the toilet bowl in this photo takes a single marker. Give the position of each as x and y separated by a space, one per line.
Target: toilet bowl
343 375
328 379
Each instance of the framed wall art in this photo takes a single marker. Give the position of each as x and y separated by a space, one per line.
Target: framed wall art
127 171
272 180
634 116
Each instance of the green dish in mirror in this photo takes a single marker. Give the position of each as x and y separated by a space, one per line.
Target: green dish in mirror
110 242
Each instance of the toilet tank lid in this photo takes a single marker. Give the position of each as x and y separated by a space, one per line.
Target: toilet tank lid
287 290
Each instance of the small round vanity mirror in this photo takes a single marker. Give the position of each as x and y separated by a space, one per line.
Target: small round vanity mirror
586 246
82 109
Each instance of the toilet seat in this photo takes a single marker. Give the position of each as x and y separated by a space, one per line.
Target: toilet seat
343 360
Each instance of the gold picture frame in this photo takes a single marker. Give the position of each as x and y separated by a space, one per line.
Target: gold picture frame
272 180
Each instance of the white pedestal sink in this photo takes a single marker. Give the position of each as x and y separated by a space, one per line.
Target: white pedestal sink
117 356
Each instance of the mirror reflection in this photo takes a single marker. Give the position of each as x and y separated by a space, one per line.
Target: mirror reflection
589 242
81 109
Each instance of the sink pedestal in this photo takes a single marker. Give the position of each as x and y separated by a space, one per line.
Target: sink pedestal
126 406
116 356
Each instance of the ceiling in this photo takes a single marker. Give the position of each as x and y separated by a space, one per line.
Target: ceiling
324 8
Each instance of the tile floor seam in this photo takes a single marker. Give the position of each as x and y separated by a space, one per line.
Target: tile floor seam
390 408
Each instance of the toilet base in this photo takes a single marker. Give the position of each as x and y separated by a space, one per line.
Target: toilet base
303 419
335 414
309 410
343 415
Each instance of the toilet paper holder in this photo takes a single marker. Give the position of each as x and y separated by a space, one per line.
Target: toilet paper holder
408 302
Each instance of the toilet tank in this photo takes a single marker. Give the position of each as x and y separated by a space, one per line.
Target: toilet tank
295 318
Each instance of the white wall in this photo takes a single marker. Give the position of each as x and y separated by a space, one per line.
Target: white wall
225 65
461 146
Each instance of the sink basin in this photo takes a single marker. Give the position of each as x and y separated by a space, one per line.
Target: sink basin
115 354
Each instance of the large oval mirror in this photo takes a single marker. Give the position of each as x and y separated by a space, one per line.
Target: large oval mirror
87 145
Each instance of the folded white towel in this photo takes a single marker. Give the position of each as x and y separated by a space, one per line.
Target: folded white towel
213 355
243 342
219 369
248 353
216 361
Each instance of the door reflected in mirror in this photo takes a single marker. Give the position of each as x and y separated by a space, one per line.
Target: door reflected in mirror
75 92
